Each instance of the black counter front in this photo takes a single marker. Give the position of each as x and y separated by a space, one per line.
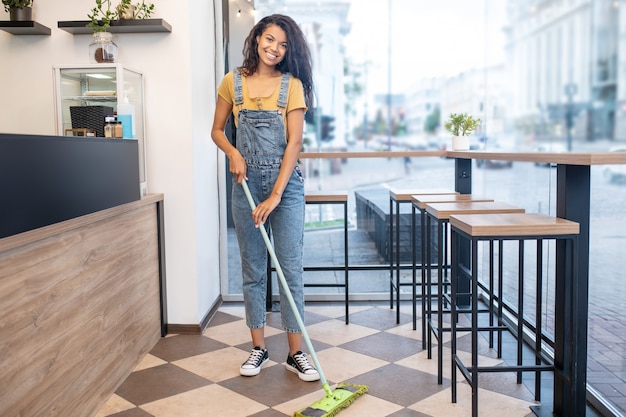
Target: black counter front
49 179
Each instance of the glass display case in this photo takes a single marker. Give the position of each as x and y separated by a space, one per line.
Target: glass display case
85 95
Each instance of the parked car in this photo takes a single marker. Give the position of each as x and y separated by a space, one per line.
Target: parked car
616 174
549 147
492 163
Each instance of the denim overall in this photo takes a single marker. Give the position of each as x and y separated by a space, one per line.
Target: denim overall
261 141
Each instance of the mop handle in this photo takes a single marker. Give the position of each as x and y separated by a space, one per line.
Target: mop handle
287 292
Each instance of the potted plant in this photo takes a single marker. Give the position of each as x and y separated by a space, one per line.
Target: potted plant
19 10
461 125
103 13
102 49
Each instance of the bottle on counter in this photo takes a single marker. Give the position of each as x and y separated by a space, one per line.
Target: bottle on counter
118 129
126 114
109 127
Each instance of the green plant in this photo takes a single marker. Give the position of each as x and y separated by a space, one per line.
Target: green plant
101 16
16 4
143 10
103 13
461 124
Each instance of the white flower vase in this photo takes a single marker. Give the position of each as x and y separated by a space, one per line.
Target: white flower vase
460 143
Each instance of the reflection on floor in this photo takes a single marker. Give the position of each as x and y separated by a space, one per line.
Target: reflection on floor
189 376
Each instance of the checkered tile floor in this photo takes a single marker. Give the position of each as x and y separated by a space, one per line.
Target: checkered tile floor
198 375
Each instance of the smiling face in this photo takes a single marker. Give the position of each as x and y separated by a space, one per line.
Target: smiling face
272 46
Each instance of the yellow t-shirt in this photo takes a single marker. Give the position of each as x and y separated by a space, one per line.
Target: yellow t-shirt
295 96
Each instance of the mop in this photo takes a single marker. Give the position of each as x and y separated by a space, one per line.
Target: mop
344 394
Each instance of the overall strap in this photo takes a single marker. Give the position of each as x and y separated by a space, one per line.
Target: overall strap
238 88
284 90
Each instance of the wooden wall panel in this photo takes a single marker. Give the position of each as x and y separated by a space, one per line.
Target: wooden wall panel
78 311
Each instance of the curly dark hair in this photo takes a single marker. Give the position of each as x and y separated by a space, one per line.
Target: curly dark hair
297 60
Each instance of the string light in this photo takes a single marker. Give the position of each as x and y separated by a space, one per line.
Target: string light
243 7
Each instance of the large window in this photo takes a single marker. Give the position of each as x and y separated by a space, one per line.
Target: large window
541 75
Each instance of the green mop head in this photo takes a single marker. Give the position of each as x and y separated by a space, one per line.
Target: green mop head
337 400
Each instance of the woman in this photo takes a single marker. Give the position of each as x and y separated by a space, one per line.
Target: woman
268 96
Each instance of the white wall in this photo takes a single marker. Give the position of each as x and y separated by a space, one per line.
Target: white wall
180 73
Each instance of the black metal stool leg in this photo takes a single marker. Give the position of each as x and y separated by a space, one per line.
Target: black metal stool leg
429 308
425 283
397 252
500 295
474 313
413 272
453 288
345 260
491 276
440 303
538 321
520 309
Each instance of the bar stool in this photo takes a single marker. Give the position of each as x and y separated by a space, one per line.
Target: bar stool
398 196
520 227
441 212
418 202
333 197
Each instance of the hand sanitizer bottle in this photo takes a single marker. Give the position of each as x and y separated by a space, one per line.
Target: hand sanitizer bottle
126 115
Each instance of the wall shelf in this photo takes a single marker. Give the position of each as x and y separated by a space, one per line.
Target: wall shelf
79 27
26 27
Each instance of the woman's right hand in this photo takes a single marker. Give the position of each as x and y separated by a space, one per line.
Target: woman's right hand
237 166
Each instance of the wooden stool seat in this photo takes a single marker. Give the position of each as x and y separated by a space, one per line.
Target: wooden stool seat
441 212
398 196
445 210
514 227
419 202
403 194
333 197
326 197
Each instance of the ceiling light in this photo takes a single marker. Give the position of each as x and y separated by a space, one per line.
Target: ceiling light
99 76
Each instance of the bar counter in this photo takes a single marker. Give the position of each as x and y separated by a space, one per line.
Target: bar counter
82 302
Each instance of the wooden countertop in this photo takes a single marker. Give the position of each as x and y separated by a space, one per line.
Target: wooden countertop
340 154
21 239
569 158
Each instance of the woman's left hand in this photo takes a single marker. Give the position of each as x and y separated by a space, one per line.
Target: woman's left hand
263 210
